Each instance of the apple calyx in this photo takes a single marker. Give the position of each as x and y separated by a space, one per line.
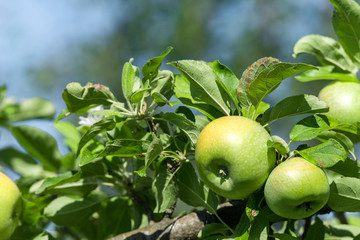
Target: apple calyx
224 174
306 205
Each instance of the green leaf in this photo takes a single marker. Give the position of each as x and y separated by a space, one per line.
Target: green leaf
226 79
140 94
20 162
71 134
316 230
186 112
82 187
279 144
249 75
39 144
327 50
90 152
324 155
205 79
94 169
71 210
193 192
127 129
270 78
242 228
309 128
162 100
52 182
259 228
345 194
212 229
346 23
187 126
31 212
284 236
254 113
130 79
25 231
294 105
32 108
201 121
314 125
345 141
163 82
2 94
326 73
79 99
103 125
151 67
165 190
125 148
154 151
187 92
115 216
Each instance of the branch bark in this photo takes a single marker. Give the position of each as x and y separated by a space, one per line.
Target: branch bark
187 226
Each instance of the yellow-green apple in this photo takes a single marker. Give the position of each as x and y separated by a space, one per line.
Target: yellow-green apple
296 189
10 206
232 156
343 99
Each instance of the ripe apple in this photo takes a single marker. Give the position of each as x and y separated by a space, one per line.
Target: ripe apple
10 206
232 156
343 99
296 189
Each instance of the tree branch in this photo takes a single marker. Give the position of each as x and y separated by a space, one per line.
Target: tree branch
187 226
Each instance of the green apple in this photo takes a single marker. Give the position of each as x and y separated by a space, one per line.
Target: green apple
343 99
10 206
296 189
232 156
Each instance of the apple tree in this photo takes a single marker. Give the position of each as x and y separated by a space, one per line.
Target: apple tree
189 151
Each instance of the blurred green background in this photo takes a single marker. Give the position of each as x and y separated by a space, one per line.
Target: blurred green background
47 44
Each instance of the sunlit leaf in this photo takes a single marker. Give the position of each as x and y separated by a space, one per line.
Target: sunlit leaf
270 78
327 50
187 92
346 23
326 72
130 79
325 154
294 105
79 99
151 67
205 79
226 79
249 75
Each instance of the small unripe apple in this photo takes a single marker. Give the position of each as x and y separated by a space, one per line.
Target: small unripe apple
10 206
232 156
343 99
296 189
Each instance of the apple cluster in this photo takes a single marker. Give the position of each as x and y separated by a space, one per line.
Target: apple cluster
234 160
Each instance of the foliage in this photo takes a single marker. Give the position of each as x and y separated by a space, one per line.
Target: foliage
129 163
